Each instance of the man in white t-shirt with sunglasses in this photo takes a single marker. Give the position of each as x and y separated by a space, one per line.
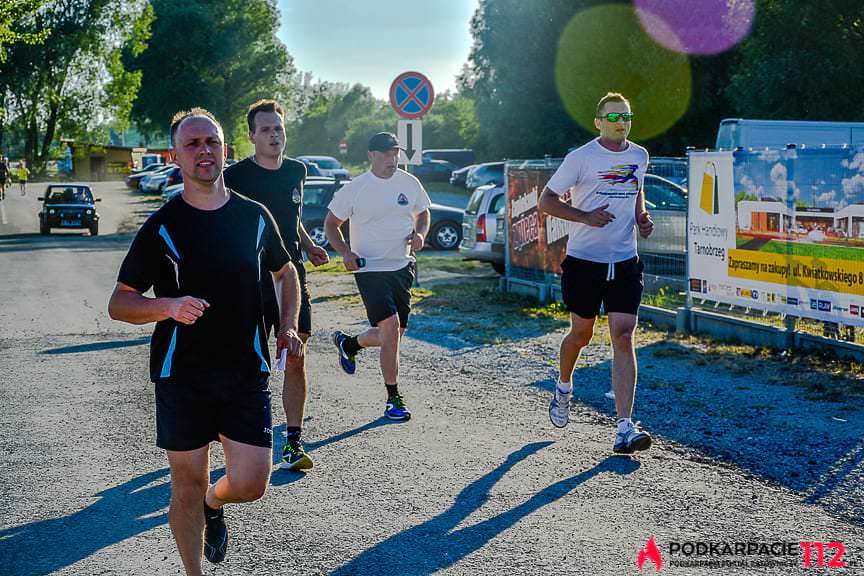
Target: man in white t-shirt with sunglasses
607 207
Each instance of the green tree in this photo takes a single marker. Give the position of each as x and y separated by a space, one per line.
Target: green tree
219 55
72 81
803 61
12 14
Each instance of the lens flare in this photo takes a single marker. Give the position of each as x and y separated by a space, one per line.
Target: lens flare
696 26
604 49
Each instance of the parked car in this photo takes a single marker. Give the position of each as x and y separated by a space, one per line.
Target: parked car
155 183
133 179
460 176
461 157
483 213
433 170
68 206
171 191
444 231
312 168
487 173
667 203
328 166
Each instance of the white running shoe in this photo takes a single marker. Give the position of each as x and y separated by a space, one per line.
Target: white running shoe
559 408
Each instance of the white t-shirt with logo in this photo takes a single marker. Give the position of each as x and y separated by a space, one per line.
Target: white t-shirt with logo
596 176
381 214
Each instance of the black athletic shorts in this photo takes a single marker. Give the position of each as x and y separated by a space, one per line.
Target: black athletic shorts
585 285
271 305
386 293
191 412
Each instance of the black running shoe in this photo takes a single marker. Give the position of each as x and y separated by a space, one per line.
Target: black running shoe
215 535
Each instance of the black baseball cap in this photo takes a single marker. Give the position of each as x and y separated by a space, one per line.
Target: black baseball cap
383 141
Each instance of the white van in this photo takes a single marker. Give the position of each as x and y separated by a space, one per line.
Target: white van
735 132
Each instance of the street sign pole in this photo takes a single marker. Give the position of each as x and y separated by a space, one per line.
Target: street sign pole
411 96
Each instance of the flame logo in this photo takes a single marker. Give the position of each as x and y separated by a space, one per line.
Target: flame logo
652 553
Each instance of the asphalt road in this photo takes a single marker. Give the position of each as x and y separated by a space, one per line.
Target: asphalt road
477 483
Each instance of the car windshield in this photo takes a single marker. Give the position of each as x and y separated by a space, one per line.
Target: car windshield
664 195
327 163
474 202
315 195
76 194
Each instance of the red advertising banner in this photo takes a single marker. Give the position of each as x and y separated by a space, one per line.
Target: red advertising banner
537 241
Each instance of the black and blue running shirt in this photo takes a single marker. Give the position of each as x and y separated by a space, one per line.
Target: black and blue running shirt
280 190
220 256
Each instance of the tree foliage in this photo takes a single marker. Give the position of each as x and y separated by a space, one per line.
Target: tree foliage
219 55
802 61
12 14
72 82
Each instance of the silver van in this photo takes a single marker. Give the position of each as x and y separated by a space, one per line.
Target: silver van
480 226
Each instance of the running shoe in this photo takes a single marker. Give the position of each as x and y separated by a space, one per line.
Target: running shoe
631 440
559 408
346 361
293 455
215 536
396 409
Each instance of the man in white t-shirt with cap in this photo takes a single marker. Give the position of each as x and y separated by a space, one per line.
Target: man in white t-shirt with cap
388 213
607 206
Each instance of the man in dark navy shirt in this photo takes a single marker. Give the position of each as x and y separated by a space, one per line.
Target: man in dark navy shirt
277 182
205 254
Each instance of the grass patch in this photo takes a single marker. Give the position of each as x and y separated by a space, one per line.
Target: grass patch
480 313
820 376
447 264
813 250
335 266
665 298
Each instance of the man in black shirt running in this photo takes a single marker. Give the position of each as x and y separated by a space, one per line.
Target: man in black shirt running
277 182
205 254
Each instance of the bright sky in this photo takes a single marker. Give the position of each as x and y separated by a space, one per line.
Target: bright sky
372 41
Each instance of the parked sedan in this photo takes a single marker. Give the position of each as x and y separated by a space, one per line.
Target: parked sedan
68 206
133 180
488 173
667 203
444 231
155 183
433 170
459 177
484 215
328 166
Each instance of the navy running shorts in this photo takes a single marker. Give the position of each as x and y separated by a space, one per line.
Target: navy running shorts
386 293
193 411
585 285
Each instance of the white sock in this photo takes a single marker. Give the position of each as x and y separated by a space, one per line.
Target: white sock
564 387
624 424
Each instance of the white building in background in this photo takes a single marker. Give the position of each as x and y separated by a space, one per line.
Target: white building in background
770 218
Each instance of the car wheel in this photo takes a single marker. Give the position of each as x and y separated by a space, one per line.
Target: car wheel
316 232
43 229
94 229
446 236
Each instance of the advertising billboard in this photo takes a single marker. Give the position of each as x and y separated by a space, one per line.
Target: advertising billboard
779 230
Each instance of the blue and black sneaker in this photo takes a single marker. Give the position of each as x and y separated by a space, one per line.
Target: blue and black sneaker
346 361
396 409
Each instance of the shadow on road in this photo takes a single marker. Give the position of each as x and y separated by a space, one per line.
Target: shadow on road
119 513
437 544
96 346
75 242
771 430
284 477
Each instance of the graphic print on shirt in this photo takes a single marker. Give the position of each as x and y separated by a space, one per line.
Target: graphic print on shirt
621 181
163 232
402 200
